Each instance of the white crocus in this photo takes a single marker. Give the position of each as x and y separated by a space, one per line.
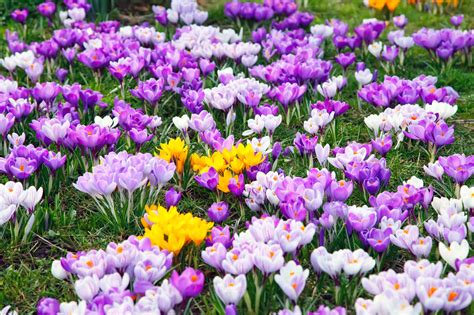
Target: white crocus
373 122
327 89
404 42
11 193
261 145
87 288
467 197
292 279
229 289
322 153
415 182
72 308
375 49
6 212
442 109
249 60
32 197
271 122
182 123
454 252
322 30
364 76
106 122
58 271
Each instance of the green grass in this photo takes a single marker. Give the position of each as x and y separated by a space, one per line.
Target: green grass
25 269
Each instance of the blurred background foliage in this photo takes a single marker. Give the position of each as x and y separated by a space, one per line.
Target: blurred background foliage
101 9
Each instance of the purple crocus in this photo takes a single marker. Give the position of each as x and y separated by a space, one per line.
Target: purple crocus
340 190
172 197
189 283
47 306
346 59
456 20
305 145
47 9
390 53
400 21
458 166
20 15
218 211
382 144
93 58
61 74
54 161
6 123
378 239
209 179
149 91
46 92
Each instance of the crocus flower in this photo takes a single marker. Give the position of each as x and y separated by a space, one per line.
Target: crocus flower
149 91
346 59
340 190
47 9
400 21
218 211
230 289
292 280
455 251
456 20
189 283
47 306
268 258
458 166
20 15
209 179
172 197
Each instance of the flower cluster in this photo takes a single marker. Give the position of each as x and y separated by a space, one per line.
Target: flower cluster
171 230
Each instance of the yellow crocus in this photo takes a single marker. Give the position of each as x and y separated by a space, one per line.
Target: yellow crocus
174 151
171 230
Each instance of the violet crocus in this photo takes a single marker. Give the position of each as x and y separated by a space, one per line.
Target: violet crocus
119 69
209 179
54 161
340 190
361 218
202 121
93 58
6 123
390 53
220 235
46 92
305 145
456 20
236 187
382 144
400 21
172 197
345 59
189 283
47 9
458 166
378 239
149 91
47 306
140 136
218 211
287 93
19 15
